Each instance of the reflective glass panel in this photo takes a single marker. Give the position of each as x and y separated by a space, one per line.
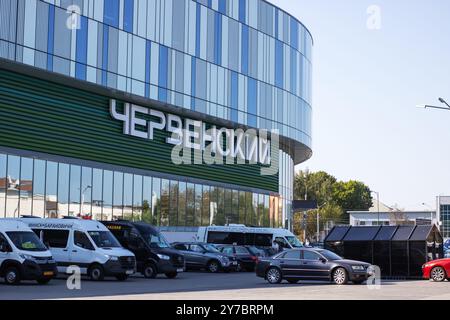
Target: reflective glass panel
173 203
137 198
13 181
128 197
182 204
86 192
118 196
108 186
39 188
26 187
51 190
97 194
3 183
147 200
63 189
156 200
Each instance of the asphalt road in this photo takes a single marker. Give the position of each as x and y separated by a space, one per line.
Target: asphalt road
232 286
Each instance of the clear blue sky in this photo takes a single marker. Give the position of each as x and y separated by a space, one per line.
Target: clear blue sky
366 86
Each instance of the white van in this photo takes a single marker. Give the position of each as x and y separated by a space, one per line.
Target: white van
86 244
248 236
23 256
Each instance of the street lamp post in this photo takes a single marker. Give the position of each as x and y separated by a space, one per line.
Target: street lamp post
431 211
441 100
318 221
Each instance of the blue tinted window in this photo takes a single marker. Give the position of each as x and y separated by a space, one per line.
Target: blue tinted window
148 46
293 71
276 22
279 63
105 54
234 96
81 53
111 13
252 101
223 6
163 69
244 51
193 81
197 31
218 39
51 36
242 10
128 15
294 34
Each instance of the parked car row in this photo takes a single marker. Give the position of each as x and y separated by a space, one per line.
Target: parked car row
38 249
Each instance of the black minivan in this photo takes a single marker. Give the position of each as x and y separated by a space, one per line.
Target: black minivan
153 253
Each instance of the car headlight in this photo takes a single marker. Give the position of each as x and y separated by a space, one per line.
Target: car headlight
224 259
358 268
27 257
163 257
113 258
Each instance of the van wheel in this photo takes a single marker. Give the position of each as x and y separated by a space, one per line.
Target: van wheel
150 271
12 276
96 272
43 281
171 275
122 277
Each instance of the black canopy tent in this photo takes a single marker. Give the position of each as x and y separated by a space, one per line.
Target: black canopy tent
335 238
358 243
382 249
419 250
399 251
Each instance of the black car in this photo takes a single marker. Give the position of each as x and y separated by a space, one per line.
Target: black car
246 258
311 264
153 253
206 256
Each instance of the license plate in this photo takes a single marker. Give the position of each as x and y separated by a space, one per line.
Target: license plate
180 270
48 273
129 272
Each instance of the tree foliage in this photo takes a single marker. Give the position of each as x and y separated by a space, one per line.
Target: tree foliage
333 197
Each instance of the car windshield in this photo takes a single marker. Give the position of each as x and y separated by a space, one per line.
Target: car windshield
330 255
156 240
26 241
104 239
294 242
211 248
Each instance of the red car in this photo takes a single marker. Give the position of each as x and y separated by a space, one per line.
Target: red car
437 270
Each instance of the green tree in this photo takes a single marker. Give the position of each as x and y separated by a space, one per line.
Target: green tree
352 195
317 186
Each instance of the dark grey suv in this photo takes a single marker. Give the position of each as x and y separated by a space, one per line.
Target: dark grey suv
311 264
205 256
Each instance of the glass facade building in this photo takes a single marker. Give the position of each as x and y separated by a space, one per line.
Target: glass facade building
443 204
239 63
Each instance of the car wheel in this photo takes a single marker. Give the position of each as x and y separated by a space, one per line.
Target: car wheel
150 271
96 273
122 277
274 276
340 276
213 266
43 281
171 275
438 274
12 276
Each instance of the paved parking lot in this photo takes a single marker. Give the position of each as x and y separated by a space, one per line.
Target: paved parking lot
233 286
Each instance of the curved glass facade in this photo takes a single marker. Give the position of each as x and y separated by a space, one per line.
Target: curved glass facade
245 61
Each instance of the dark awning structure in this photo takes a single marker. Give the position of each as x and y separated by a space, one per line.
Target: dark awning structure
399 251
